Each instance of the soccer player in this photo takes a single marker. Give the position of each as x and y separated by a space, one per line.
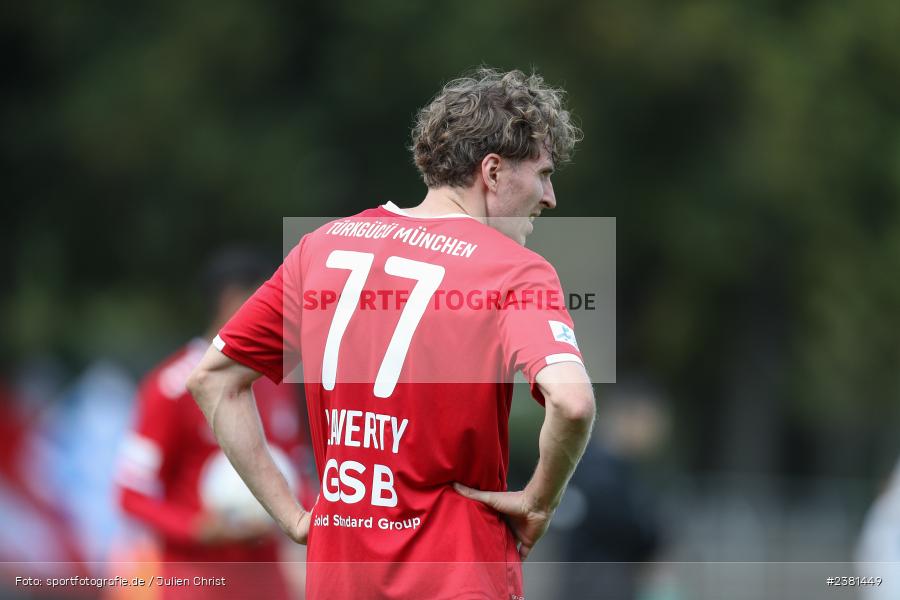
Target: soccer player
165 457
410 325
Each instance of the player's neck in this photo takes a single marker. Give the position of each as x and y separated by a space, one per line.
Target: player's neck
443 201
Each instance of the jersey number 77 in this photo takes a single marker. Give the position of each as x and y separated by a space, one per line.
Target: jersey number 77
428 278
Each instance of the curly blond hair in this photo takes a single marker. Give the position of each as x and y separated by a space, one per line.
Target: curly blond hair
510 114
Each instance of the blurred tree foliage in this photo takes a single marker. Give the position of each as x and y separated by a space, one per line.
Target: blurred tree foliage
750 150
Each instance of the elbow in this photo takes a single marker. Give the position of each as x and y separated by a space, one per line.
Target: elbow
198 384
577 407
197 381
583 410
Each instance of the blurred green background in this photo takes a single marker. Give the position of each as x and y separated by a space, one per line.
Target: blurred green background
749 150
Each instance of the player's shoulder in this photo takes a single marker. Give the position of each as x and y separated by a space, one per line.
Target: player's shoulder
515 260
513 251
168 380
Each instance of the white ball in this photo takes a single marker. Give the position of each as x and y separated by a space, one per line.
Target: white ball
223 492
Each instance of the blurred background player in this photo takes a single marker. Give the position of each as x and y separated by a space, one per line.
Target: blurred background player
608 518
170 476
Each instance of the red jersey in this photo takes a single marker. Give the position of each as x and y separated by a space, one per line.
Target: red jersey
163 462
410 331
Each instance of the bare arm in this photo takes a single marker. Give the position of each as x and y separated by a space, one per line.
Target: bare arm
569 417
222 389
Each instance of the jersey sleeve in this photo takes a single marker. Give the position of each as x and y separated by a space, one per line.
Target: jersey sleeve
264 333
535 327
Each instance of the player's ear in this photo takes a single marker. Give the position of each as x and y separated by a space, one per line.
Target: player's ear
490 167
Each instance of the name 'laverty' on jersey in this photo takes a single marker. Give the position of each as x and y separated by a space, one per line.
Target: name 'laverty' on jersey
414 236
345 430
355 428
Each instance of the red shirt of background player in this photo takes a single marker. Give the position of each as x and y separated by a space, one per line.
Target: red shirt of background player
160 474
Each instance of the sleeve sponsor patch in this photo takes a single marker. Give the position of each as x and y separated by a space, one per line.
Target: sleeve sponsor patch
563 333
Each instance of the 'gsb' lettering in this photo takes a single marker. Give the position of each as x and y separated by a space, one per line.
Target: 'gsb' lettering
338 477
